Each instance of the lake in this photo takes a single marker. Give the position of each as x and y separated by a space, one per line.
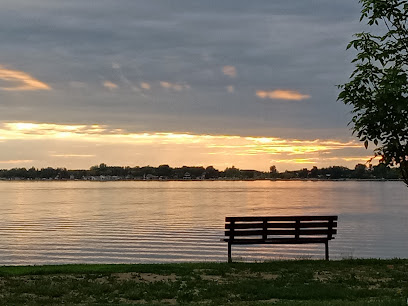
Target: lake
178 221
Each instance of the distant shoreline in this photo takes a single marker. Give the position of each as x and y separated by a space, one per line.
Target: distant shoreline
203 180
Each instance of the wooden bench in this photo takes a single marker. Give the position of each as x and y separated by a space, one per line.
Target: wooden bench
280 230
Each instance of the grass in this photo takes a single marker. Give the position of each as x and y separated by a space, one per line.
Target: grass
300 282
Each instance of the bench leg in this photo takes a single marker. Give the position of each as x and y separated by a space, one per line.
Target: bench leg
326 244
229 252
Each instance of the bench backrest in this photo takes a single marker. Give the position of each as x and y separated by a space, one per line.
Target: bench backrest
295 227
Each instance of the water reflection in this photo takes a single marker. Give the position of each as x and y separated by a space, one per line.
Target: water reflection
111 222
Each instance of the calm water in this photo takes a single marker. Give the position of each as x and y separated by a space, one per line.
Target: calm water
138 222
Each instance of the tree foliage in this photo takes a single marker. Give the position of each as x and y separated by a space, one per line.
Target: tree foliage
165 172
378 87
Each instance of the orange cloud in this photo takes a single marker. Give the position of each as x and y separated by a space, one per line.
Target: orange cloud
20 81
109 85
174 86
281 94
145 85
230 89
230 71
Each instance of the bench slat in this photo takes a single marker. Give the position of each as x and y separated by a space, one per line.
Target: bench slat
278 241
281 218
317 224
278 225
241 233
260 232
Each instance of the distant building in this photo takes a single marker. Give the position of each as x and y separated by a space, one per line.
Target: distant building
151 177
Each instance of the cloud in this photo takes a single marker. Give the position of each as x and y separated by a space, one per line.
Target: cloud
273 146
281 94
26 130
109 85
174 86
17 161
145 85
230 71
230 89
123 79
297 161
20 81
77 85
240 144
72 155
268 145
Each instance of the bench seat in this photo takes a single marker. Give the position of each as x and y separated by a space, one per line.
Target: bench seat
278 241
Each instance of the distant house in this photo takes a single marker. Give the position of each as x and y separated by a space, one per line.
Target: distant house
151 177
187 176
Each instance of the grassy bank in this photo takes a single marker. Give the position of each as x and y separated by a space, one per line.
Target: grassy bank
299 282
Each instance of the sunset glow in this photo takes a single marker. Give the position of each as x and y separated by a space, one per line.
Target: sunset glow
82 143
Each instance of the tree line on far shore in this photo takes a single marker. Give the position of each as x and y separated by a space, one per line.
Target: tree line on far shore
104 171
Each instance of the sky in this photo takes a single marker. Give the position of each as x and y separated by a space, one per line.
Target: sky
226 83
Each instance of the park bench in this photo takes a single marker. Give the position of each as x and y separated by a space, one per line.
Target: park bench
280 230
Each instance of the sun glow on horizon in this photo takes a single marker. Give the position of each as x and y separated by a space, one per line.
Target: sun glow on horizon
84 141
